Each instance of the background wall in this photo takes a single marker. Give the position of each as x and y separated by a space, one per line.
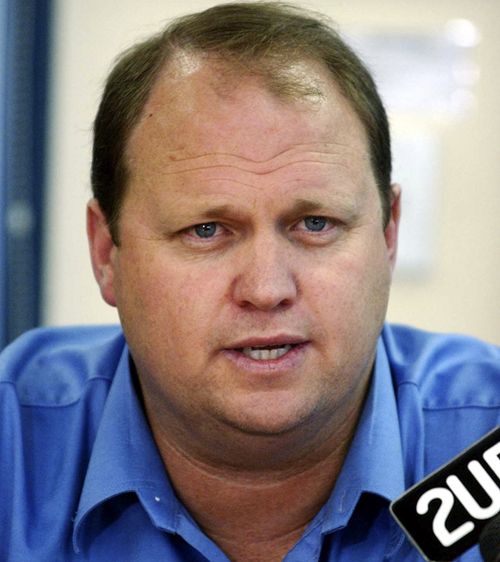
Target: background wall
461 289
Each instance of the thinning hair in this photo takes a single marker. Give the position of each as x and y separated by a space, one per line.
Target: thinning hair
254 38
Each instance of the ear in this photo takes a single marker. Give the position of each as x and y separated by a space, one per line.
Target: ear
392 228
102 251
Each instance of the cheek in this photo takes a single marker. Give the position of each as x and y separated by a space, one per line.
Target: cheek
351 291
168 299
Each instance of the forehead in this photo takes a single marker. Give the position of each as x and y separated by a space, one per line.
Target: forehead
200 106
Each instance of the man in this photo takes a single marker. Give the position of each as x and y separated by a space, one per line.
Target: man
255 408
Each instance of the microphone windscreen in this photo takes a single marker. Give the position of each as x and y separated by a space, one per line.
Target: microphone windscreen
489 541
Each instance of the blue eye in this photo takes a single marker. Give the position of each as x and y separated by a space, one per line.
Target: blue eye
315 224
206 229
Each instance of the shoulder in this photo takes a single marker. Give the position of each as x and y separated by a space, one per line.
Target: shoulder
51 366
449 370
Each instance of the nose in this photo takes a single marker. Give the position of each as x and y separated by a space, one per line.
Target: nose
265 279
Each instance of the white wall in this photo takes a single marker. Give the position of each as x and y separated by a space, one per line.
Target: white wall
461 292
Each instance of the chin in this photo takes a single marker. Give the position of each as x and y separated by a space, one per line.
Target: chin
268 420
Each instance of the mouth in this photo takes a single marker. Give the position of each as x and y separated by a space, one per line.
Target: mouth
266 352
271 349
265 355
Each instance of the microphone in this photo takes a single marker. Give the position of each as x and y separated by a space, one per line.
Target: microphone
489 541
446 513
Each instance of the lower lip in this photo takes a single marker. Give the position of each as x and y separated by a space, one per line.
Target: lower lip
291 360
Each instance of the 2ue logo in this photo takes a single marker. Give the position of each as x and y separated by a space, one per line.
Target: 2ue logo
444 514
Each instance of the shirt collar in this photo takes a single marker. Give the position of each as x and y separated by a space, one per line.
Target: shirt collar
125 458
374 463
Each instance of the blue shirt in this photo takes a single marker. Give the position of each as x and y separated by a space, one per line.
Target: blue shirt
81 477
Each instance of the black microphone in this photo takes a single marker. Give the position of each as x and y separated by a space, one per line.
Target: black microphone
489 541
445 514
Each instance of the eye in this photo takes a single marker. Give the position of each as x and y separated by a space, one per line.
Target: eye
205 234
205 230
315 224
317 229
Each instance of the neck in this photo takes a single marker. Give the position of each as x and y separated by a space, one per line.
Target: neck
256 511
254 494
253 515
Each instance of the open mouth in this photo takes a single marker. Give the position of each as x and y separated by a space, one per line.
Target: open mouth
266 352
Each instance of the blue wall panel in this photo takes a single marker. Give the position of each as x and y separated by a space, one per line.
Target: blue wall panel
3 84
23 96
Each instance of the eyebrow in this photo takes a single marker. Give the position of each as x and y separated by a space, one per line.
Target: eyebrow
299 207
304 206
219 211
312 206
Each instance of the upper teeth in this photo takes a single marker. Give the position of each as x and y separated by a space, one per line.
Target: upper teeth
264 354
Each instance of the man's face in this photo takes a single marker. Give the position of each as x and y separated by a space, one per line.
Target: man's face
253 270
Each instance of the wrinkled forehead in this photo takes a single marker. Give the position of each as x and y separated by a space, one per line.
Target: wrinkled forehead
196 95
